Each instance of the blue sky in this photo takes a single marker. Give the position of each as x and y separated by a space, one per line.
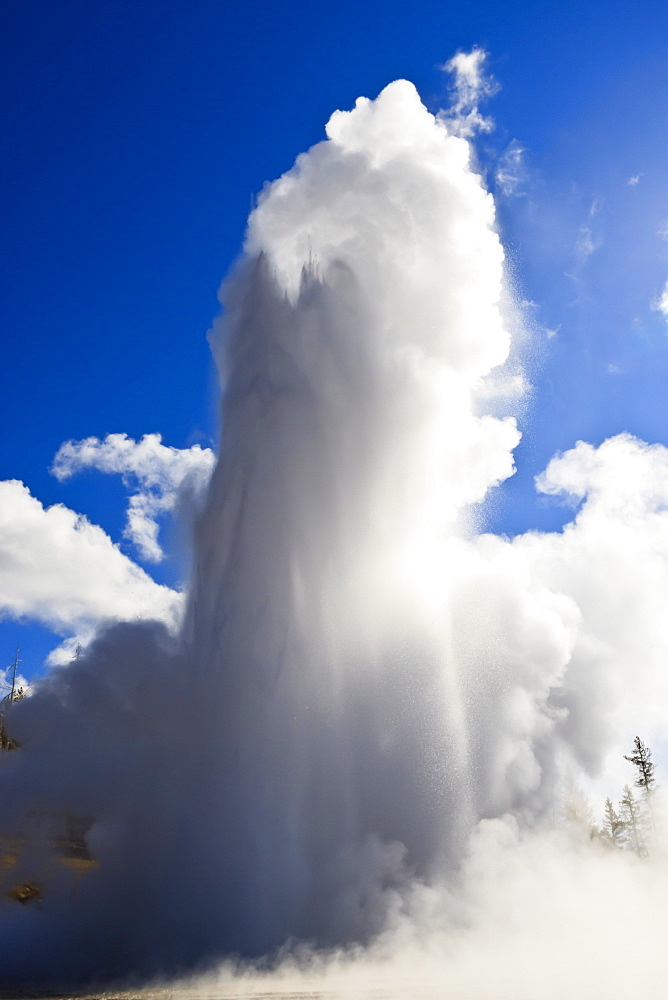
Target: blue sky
136 134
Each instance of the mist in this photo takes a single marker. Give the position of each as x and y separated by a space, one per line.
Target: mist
349 761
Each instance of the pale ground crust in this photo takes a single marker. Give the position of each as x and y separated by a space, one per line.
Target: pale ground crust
9 994
167 994
22 994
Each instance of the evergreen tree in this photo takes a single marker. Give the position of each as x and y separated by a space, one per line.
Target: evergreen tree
613 825
634 827
641 758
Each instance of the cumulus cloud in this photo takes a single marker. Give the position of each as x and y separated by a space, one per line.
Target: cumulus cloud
159 474
634 181
64 572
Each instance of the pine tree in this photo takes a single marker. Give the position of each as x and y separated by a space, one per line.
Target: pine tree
641 758
613 825
631 816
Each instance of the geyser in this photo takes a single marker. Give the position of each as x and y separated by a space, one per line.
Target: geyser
355 340
358 680
300 753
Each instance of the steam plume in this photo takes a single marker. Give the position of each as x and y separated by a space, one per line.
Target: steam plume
360 681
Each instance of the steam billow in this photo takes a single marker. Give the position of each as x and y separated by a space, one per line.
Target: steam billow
359 730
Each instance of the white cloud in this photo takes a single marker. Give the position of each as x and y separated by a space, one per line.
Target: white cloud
587 243
661 303
8 680
510 171
159 474
470 86
634 181
64 572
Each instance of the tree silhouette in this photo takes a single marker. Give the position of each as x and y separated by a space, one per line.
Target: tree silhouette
613 824
641 758
632 817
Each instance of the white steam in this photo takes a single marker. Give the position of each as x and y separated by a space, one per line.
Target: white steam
359 736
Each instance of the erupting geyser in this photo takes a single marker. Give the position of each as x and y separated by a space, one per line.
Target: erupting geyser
356 338
304 753
358 680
